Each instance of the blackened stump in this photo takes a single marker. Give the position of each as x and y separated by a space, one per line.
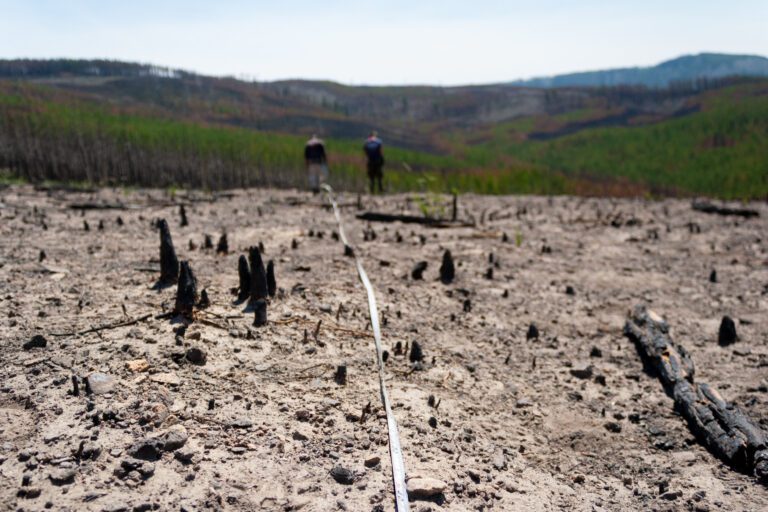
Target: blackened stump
205 301
447 269
341 375
533 332
259 288
186 292
727 333
713 276
183 214
271 283
418 270
223 246
245 278
416 352
260 312
169 264
208 243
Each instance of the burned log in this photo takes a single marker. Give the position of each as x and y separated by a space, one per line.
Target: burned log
169 264
259 289
222 247
722 427
244 291
186 292
411 219
447 269
271 282
705 207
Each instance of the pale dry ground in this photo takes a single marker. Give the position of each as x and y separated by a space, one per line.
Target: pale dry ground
515 430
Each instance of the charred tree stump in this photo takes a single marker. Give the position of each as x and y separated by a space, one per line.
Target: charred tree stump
418 270
260 312
271 282
447 269
183 215
727 333
722 427
186 292
169 264
208 243
259 289
223 246
244 291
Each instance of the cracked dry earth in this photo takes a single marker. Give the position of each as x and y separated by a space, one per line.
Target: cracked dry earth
254 419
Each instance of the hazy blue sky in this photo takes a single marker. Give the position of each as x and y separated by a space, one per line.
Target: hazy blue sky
439 42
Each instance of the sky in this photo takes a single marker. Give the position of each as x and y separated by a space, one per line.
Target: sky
448 42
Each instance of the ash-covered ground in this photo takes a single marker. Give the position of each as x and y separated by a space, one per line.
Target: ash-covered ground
228 416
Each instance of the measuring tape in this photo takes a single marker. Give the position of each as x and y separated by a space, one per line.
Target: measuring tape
395 451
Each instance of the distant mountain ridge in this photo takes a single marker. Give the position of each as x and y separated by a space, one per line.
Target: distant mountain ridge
682 69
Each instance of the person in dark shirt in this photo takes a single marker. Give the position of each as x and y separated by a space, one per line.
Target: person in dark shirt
373 151
316 163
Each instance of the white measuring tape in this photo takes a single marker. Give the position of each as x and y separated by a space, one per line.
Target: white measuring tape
395 451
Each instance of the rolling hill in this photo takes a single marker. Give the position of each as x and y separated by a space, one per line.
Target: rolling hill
124 123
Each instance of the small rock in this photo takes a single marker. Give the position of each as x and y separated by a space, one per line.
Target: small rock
174 438
170 379
613 426
145 469
299 436
241 423
671 495
62 476
149 448
137 365
37 341
184 454
523 402
343 475
582 371
101 383
499 461
578 479
372 462
418 270
569 290
196 355
595 352
424 488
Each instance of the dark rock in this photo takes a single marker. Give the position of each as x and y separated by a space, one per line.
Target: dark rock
582 371
727 333
149 448
37 341
613 426
372 462
447 268
63 476
569 290
184 455
432 422
241 423
595 352
174 438
196 355
671 495
713 276
417 272
343 475
144 468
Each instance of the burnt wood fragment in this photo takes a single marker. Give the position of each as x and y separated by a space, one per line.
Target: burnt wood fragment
183 215
244 291
705 207
169 264
186 292
271 282
721 426
259 288
447 268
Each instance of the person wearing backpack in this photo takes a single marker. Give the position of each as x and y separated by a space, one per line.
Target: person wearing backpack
373 152
316 162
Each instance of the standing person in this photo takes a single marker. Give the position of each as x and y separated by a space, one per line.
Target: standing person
372 148
316 162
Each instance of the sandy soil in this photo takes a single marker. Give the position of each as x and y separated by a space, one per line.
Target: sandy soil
262 423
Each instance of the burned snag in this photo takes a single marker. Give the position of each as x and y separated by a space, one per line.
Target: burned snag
447 269
244 291
186 292
259 288
271 283
222 247
259 312
169 264
720 426
727 333
183 215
